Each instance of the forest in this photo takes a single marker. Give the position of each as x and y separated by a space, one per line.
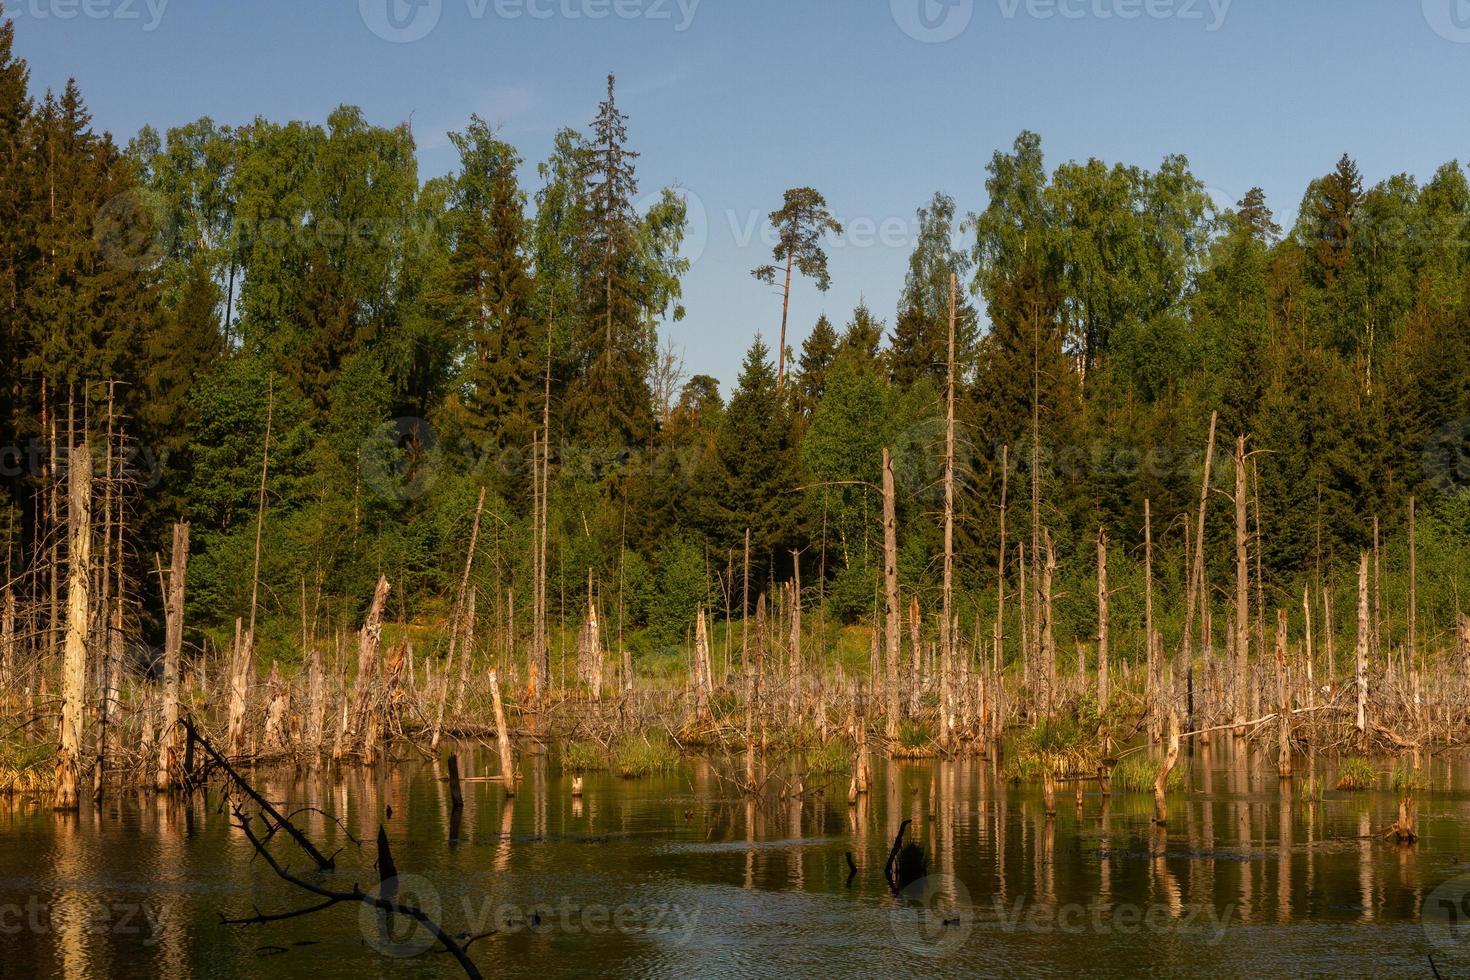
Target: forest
334 371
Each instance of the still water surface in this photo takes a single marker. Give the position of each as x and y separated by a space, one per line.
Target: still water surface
678 876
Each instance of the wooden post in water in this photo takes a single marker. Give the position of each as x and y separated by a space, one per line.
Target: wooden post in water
1161 782
502 736
78 610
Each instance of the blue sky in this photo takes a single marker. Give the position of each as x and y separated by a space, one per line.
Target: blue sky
877 103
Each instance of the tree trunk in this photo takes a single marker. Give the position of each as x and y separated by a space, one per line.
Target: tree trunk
169 757
892 620
1195 594
1242 592
365 687
1283 701
1102 621
78 608
1161 782
502 737
1364 637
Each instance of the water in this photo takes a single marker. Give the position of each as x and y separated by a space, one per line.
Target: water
679 876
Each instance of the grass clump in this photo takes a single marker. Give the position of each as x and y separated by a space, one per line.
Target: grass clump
25 768
1136 774
1310 790
636 756
1407 779
834 757
584 757
1356 774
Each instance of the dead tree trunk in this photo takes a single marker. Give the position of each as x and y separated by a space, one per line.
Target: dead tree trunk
169 757
277 714
1283 701
1195 594
1242 592
7 642
916 654
240 662
1046 617
78 608
892 620
1102 621
702 690
502 737
1161 782
998 652
794 647
949 654
1365 632
315 702
364 689
1149 634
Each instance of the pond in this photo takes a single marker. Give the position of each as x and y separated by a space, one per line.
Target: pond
681 876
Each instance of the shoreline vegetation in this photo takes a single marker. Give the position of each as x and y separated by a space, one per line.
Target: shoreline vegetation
331 463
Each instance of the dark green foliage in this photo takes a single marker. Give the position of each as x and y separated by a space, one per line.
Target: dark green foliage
401 333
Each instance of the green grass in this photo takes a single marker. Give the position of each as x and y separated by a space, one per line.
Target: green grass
25 767
1310 790
832 758
584 757
1136 774
1356 774
913 736
636 756
1407 779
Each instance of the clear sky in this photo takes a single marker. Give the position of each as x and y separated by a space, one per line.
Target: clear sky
877 103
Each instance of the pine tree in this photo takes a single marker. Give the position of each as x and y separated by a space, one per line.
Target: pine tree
800 225
489 293
1335 201
610 397
817 353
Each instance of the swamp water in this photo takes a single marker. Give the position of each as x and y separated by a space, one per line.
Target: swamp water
679 876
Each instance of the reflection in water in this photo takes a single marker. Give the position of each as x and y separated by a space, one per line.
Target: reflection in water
759 886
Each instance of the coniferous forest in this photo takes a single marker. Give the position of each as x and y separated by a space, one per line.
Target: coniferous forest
280 340
384 593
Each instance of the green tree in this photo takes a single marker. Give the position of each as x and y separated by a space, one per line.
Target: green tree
800 224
